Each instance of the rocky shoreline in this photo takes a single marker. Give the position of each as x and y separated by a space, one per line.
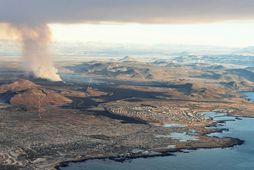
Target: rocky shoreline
151 154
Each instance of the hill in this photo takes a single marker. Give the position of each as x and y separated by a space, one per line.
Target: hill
26 93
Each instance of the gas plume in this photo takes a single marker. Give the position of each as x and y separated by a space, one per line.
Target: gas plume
36 56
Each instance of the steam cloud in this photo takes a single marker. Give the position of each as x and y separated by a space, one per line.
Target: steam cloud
35 39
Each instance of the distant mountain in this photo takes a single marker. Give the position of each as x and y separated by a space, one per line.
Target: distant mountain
248 51
127 59
60 49
124 69
249 75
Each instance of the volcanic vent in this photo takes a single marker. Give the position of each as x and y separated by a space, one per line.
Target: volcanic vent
26 93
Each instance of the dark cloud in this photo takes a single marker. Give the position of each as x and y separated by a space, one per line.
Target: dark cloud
145 11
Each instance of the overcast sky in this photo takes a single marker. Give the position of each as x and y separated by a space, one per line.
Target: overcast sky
170 21
148 11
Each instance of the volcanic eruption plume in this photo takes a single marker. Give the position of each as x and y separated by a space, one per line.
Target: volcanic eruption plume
36 57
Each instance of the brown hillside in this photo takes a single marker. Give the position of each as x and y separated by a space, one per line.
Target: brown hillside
26 93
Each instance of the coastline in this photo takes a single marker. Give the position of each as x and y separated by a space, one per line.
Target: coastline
163 152
235 142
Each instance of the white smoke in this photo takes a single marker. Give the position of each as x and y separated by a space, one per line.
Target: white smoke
36 57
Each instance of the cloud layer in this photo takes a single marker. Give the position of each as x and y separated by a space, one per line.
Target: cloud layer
141 11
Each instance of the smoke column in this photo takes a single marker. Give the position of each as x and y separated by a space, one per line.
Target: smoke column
35 40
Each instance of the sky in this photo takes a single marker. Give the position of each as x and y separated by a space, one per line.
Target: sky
225 34
196 22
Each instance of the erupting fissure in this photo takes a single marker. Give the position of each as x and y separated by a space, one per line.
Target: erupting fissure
36 57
